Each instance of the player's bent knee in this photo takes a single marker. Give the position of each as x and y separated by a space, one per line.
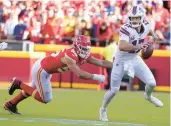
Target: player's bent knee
48 97
152 83
47 100
114 90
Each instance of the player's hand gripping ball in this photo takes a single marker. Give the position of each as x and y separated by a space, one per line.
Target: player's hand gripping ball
147 53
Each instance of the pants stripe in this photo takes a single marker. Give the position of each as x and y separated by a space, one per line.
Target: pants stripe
39 83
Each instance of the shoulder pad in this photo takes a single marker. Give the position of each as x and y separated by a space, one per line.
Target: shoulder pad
145 22
71 54
125 29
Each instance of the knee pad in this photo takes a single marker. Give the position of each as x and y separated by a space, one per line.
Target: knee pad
152 83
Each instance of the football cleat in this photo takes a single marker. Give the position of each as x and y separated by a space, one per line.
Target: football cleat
103 114
11 108
15 84
153 100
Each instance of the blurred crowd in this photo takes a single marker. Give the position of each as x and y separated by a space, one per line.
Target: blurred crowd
58 21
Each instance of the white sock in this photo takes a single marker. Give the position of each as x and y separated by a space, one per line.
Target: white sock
149 89
107 98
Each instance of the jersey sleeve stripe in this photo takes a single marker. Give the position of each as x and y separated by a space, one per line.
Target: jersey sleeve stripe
125 30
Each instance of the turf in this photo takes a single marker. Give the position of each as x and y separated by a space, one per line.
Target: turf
73 107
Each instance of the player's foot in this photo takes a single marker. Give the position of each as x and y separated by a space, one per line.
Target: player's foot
11 108
103 114
15 84
153 100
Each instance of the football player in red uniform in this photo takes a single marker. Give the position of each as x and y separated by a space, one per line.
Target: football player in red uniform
64 60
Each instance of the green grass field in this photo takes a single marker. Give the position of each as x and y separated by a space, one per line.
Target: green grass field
81 108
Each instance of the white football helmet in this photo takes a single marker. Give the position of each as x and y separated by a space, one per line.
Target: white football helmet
136 11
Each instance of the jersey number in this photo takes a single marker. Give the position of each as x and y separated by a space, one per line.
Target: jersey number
135 42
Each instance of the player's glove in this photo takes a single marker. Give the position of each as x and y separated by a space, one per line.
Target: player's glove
99 77
3 45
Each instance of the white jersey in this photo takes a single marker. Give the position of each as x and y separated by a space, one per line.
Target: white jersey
132 36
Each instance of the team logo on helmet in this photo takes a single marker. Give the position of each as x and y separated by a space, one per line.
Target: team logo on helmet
136 11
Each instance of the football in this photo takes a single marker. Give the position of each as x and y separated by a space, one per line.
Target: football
148 53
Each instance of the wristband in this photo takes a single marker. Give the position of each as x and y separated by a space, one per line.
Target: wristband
95 77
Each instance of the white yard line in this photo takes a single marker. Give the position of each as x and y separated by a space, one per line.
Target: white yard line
70 121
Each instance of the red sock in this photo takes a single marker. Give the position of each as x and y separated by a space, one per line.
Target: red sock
31 92
20 97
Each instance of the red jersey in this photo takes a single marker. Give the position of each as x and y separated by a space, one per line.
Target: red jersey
53 63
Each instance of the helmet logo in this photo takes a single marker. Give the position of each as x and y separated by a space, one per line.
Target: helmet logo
78 39
134 11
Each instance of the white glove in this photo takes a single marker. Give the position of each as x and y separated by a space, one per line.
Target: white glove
3 45
99 77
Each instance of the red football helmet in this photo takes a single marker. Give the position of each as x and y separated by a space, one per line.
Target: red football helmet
82 46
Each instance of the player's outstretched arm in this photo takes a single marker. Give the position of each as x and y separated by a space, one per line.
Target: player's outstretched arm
71 63
3 45
98 62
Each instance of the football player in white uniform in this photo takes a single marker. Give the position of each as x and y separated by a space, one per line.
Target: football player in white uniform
127 60
3 45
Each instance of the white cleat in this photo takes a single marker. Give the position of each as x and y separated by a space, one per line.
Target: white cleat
153 100
103 114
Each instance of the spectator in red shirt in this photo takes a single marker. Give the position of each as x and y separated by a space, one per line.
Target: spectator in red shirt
69 24
161 16
51 30
32 33
104 34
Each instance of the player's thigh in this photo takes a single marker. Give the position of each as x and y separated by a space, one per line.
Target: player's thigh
43 85
143 72
116 75
35 68
41 80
